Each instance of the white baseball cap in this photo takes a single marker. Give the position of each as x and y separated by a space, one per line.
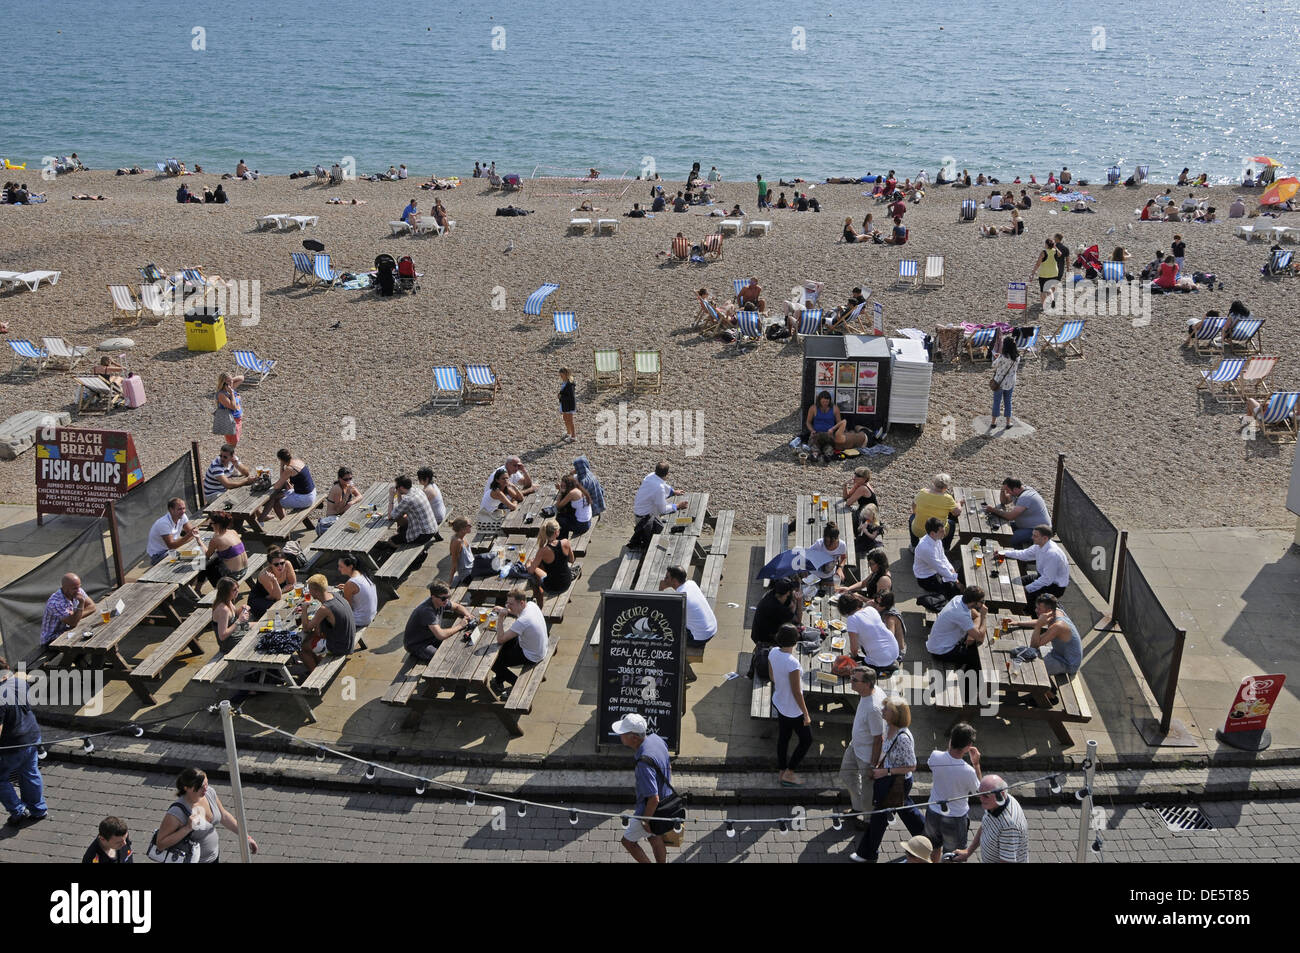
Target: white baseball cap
630 724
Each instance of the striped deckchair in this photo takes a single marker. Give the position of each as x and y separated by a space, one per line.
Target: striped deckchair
125 307
566 324
1068 340
1254 380
907 271
967 210
981 340
27 354
751 328
302 267
1142 172
157 299
1027 341
1112 271
855 321
933 270
1277 418
95 392
647 371
680 249
811 322
448 387
481 384
713 245
258 369
1112 175
609 368
324 272
152 273
1279 262
533 306
1207 331
739 284
1222 379
63 354
710 322
1244 335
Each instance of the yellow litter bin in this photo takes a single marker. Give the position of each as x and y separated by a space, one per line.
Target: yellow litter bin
205 330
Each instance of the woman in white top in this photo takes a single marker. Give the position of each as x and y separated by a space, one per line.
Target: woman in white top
359 590
425 477
791 710
496 496
1004 375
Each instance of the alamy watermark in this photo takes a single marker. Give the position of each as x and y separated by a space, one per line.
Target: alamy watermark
242 299
1100 298
55 688
652 428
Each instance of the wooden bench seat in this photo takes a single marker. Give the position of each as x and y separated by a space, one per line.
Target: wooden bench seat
581 542
760 692
711 577
293 521
553 610
628 564
530 680
406 683
323 674
212 672
726 519
186 635
778 532
393 569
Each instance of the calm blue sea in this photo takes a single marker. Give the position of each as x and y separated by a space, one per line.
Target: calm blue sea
786 88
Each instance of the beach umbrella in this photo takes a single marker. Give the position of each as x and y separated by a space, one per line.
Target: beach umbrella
1280 191
1265 160
793 561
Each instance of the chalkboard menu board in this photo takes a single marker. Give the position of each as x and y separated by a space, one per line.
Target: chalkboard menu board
642 662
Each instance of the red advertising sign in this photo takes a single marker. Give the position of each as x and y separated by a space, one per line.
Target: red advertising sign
81 471
1256 697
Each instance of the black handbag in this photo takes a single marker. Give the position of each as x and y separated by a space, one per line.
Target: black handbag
896 797
672 808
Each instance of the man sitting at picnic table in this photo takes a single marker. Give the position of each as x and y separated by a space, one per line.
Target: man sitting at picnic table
959 629
1023 506
423 633
519 477
930 565
1052 568
654 498
332 630
869 638
65 608
1053 627
524 643
225 473
411 512
701 623
342 494
834 551
778 607
170 531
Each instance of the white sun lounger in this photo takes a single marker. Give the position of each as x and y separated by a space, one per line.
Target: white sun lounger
731 225
33 279
426 224
579 224
303 221
606 224
398 228
759 226
268 222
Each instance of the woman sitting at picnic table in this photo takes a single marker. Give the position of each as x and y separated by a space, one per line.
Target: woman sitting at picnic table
572 507
878 580
552 564
228 420
295 489
858 492
462 557
269 586
227 547
870 531
936 500
893 619
499 495
225 617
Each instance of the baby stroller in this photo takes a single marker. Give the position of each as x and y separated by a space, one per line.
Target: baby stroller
406 277
385 266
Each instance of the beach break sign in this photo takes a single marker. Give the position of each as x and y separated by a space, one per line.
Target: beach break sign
80 471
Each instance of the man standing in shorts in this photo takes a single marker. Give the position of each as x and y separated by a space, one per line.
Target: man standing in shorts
954 782
653 779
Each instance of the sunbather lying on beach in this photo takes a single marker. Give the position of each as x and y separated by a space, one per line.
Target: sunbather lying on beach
1014 227
89 198
339 201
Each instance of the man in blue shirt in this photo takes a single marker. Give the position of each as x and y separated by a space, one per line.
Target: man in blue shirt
651 785
19 737
408 214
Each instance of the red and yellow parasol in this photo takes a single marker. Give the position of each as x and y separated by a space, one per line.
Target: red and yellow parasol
1280 191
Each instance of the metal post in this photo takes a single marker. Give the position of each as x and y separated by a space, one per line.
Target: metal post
198 473
232 757
117 544
1085 812
1056 493
1112 618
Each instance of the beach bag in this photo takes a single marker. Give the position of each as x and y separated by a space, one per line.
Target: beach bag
184 851
646 527
672 808
223 422
292 551
759 667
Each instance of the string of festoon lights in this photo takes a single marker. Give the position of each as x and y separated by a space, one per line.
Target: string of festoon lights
133 728
522 805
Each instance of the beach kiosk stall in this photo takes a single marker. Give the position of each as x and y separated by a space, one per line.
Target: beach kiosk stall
875 381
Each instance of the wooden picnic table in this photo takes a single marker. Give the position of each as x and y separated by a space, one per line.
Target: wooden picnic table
1024 689
666 549
183 572
244 503
505 549
810 523
974 523
100 650
1000 582
341 539
526 520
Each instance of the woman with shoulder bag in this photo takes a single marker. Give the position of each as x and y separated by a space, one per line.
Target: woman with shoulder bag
192 818
1004 381
228 417
893 782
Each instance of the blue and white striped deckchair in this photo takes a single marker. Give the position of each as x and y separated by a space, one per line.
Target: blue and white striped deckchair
810 322
481 384
194 276
566 323
853 322
324 273
302 266
907 271
1277 420
1142 172
448 387
1027 341
1112 174
535 300
968 210
982 340
255 366
152 273
751 328
1206 333
1279 262
1112 271
712 323
26 353
1068 340
1222 377
739 284
1244 334
161 167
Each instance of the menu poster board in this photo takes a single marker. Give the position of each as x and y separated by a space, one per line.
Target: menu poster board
642 662
80 471
1256 696
848 374
867 401
868 373
825 374
846 400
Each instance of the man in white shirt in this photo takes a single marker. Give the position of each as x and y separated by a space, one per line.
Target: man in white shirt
170 531
869 637
930 565
959 629
863 751
524 643
1051 565
654 498
701 623
834 551
519 477
954 782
